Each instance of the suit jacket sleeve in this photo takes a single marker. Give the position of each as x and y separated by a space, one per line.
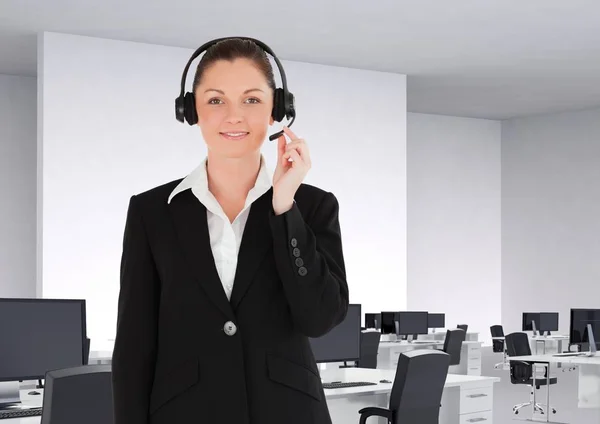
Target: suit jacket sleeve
135 344
310 263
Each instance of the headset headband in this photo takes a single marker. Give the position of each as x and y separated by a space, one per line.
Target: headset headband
205 46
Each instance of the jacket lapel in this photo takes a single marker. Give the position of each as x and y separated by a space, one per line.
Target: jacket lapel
189 216
256 242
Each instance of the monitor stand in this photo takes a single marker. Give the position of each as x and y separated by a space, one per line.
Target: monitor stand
9 394
548 333
592 341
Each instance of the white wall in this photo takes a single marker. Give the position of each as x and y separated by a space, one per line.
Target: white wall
454 219
550 215
17 186
109 131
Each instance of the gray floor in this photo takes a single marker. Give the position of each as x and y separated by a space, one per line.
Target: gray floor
563 396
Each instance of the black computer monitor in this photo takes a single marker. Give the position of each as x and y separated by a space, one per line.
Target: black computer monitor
373 321
412 323
528 319
388 322
548 322
580 318
38 335
342 343
436 320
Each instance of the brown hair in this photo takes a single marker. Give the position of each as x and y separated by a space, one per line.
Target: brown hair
231 49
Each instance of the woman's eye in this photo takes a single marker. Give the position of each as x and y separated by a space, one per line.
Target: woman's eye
214 101
253 100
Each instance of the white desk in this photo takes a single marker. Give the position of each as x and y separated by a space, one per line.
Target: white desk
441 335
28 400
548 344
589 374
466 399
470 355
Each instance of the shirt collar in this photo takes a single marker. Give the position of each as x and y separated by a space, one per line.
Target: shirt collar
197 180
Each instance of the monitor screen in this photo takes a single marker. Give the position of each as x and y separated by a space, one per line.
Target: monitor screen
373 321
342 343
528 318
412 323
548 321
39 335
436 320
388 325
580 318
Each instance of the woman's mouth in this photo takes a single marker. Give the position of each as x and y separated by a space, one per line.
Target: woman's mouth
238 135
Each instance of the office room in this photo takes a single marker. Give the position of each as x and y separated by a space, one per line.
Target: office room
262 212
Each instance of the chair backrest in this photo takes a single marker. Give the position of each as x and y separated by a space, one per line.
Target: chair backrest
517 344
453 344
86 351
418 386
497 331
78 395
463 327
369 345
497 345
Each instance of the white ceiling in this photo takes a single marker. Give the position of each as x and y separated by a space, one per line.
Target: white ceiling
480 58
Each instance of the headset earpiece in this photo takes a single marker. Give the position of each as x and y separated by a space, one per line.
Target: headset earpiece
191 115
278 105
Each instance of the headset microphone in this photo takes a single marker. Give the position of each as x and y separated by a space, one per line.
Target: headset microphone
283 100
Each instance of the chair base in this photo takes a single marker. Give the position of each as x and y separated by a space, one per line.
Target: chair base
539 407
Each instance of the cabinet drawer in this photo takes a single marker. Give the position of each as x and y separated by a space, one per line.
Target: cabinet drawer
474 354
474 347
474 370
476 400
477 418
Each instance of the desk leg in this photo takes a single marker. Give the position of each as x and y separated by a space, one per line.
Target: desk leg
548 409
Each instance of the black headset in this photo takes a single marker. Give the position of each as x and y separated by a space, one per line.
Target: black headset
283 100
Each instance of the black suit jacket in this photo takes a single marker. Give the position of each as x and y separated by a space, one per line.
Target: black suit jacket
175 358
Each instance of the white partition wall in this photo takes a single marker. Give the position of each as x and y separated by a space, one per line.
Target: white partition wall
108 131
454 263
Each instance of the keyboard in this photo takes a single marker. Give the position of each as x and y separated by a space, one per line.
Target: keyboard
340 385
20 413
567 354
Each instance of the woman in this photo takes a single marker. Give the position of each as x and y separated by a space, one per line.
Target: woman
213 326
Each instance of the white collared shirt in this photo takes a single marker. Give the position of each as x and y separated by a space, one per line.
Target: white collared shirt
225 236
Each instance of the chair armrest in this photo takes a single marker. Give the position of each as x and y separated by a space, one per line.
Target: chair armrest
374 412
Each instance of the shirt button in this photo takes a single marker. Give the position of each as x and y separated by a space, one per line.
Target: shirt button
302 271
296 252
230 328
299 262
294 242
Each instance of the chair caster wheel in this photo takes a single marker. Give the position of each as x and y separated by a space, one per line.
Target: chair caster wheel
516 412
553 411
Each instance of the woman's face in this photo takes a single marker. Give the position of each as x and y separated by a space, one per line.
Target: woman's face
234 104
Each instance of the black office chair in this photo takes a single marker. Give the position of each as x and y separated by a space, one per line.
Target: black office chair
78 395
453 344
417 390
369 346
498 345
463 327
86 351
517 344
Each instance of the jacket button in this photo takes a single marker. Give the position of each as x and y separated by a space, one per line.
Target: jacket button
302 271
230 328
296 252
299 262
294 242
